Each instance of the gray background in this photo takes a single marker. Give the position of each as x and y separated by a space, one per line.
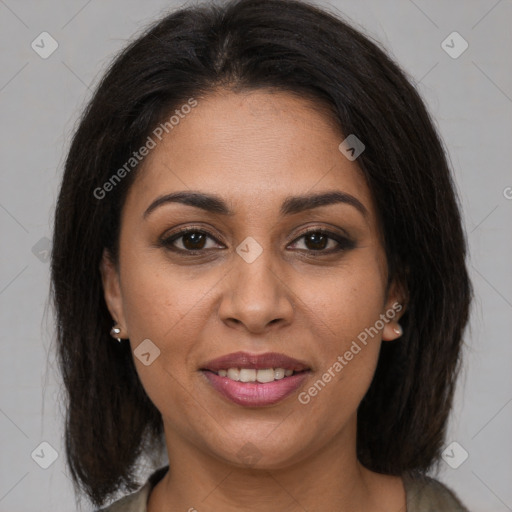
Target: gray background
470 98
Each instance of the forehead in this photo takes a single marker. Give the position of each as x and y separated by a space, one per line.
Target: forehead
252 148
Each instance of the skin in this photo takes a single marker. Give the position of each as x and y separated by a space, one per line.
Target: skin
254 149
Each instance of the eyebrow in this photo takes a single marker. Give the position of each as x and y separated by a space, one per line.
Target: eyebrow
291 205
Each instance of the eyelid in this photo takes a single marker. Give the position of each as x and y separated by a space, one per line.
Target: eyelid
322 229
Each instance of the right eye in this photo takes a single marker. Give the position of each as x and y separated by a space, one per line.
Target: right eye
193 240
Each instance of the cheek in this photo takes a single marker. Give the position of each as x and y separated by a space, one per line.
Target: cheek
160 308
158 301
348 352
346 302
344 313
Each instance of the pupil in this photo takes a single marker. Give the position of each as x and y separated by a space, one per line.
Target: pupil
317 239
194 238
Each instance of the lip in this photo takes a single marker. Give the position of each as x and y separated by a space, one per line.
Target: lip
255 394
255 362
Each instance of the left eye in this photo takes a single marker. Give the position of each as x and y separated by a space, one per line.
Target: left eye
194 241
318 240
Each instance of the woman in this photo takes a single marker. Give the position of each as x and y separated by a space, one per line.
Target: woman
259 265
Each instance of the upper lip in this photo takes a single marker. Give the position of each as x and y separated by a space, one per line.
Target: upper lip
255 361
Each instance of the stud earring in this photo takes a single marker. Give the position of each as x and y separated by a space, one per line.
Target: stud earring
115 331
398 330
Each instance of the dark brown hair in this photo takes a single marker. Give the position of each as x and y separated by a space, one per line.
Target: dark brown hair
284 45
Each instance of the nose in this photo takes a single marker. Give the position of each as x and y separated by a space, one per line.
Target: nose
257 295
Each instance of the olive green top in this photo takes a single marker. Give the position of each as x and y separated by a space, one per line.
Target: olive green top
424 494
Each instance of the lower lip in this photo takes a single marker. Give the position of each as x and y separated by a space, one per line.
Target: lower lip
255 394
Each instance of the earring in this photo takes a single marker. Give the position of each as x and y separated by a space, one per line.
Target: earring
398 330
115 331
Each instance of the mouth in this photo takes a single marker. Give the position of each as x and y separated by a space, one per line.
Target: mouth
261 376
254 393
255 380
245 362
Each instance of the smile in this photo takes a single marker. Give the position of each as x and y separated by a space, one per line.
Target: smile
252 375
249 392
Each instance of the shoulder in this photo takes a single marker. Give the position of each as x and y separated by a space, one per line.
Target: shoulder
426 494
137 501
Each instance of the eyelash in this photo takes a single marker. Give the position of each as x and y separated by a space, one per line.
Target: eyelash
344 243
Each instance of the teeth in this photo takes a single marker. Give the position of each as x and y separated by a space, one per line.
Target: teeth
251 375
279 373
233 373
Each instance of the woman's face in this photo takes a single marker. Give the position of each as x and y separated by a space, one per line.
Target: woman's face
255 283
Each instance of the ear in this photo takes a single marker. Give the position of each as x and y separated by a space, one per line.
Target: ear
112 290
395 307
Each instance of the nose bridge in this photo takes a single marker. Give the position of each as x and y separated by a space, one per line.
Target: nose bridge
257 294
256 265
